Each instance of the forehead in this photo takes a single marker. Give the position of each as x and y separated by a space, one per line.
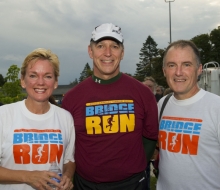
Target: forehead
148 83
184 54
40 64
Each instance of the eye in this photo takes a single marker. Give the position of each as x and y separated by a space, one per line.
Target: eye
99 46
187 64
171 65
115 46
48 76
32 76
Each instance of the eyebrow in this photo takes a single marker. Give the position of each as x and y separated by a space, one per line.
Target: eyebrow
34 72
171 62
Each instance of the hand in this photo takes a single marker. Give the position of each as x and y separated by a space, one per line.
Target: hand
66 183
39 179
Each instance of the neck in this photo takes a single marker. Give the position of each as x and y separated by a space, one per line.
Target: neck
109 81
37 107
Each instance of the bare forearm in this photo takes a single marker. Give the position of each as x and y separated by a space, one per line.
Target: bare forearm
8 176
36 179
69 169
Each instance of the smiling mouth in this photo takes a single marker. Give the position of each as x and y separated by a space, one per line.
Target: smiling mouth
179 80
107 61
39 90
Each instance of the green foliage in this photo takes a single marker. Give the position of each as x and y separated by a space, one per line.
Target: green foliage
215 40
11 91
157 73
2 80
147 53
204 45
209 46
151 58
153 182
85 73
12 74
75 82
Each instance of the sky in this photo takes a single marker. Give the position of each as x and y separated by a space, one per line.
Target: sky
65 27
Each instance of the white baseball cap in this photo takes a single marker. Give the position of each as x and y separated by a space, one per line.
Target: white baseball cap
107 30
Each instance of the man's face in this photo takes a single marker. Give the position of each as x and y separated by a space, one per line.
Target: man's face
181 71
159 90
106 56
150 85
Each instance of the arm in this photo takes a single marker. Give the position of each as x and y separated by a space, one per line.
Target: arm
68 171
149 147
69 162
36 179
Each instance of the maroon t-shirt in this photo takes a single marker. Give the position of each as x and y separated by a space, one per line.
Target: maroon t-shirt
110 120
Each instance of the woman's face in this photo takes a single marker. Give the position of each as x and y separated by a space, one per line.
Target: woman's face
39 81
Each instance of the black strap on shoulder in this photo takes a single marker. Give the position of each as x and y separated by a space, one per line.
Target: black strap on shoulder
164 104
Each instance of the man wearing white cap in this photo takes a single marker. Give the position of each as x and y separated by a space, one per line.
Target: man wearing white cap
111 111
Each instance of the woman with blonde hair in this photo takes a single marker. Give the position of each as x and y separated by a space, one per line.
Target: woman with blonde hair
34 132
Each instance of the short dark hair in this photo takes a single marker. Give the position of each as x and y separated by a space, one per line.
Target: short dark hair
183 44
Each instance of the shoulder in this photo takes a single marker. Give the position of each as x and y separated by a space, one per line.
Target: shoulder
212 99
8 112
79 87
61 111
63 115
9 107
130 81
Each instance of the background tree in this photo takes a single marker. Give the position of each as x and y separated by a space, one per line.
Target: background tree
151 58
85 73
147 53
205 47
75 82
157 73
215 40
2 80
11 91
129 74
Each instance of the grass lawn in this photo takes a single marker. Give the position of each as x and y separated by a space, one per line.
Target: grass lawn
153 181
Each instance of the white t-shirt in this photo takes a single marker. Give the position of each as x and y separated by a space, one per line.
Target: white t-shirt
189 141
30 142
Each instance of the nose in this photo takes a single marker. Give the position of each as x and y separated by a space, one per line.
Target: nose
40 80
179 70
108 51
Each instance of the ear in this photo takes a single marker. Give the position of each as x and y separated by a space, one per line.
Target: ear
122 54
164 71
199 72
56 85
90 51
22 82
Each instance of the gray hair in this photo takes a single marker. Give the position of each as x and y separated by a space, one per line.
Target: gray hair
183 44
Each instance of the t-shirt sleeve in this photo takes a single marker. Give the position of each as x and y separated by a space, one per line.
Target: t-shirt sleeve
70 149
151 119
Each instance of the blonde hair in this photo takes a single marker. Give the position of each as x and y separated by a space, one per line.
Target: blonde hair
41 54
151 79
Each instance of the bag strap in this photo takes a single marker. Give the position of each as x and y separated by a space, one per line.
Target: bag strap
164 104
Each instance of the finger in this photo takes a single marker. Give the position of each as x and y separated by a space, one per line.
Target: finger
71 186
